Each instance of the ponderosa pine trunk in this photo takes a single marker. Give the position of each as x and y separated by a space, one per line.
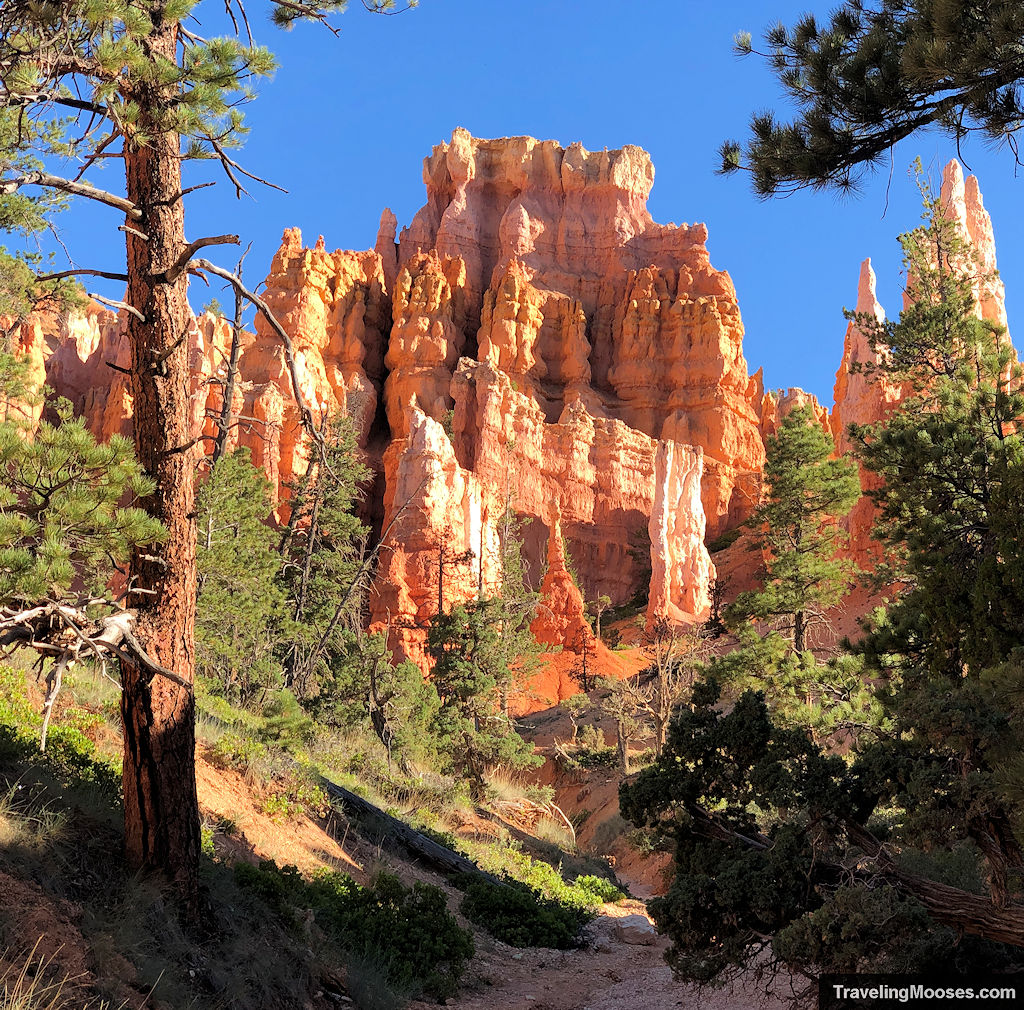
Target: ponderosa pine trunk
160 806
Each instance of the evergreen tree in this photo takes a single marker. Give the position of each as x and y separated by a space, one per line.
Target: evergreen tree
365 686
69 521
796 528
516 606
155 95
64 524
241 607
901 853
473 731
325 564
875 72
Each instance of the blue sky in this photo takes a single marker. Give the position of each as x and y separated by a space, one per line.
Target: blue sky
346 121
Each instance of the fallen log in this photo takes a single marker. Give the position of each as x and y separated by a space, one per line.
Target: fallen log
438 856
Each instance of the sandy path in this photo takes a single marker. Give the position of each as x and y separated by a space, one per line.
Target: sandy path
621 968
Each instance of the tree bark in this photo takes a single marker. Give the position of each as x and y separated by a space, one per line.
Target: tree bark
160 806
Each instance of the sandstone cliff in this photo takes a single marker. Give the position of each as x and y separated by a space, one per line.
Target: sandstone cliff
531 340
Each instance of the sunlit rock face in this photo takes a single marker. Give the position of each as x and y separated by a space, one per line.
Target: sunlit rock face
531 340
583 362
862 395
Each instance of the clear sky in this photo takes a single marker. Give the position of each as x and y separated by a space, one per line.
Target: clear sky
346 121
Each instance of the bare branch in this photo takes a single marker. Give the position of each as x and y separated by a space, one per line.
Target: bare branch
115 304
173 272
305 414
8 186
229 164
84 273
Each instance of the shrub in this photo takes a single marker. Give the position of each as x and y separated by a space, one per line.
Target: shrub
408 930
285 723
724 540
238 752
521 916
600 887
406 934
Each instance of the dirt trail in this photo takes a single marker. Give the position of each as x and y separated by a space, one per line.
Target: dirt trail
621 968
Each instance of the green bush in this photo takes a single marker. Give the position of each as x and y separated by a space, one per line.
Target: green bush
521 916
285 723
408 934
69 752
724 540
599 887
239 752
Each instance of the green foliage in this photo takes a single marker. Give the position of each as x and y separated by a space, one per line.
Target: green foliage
796 526
507 860
322 570
725 540
63 520
757 812
23 139
408 932
873 73
521 917
600 887
835 855
240 608
953 464
238 752
473 734
70 754
285 724
361 685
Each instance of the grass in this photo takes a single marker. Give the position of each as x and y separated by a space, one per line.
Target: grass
34 984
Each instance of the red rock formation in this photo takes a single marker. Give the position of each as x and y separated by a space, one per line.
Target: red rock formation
778 404
662 325
538 342
961 199
864 397
561 619
861 397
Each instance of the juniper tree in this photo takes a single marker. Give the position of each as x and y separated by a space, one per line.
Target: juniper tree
153 94
902 853
875 72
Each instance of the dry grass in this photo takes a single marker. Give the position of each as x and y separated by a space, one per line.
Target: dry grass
26 823
31 985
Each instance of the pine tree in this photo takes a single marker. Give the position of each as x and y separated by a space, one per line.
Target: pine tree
517 605
796 527
469 664
325 563
875 73
152 93
240 611
69 521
